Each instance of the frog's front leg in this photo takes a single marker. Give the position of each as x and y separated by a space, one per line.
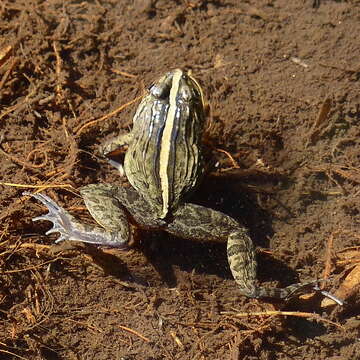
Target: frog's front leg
115 143
200 223
105 209
112 145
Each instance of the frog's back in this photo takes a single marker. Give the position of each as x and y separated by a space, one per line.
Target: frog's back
164 159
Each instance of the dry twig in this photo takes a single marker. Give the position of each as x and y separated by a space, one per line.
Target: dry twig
298 61
284 313
233 161
58 90
13 354
131 331
112 113
328 252
319 122
40 187
124 73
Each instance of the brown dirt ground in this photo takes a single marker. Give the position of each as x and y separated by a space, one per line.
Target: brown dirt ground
267 68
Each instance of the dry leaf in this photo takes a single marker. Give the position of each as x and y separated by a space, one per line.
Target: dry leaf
349 286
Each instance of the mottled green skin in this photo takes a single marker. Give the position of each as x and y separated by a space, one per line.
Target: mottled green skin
149 149
115 208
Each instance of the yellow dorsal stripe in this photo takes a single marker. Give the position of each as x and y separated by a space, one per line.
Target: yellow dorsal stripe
166 143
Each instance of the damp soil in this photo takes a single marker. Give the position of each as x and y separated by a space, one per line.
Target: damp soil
282 83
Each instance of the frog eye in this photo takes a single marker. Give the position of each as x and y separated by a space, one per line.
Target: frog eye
160 90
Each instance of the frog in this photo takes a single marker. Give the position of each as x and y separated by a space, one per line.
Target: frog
164 164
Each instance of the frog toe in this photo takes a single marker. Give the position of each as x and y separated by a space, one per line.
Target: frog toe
57 215
45 200
70 229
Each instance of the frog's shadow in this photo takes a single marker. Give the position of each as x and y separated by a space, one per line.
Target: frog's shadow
165 251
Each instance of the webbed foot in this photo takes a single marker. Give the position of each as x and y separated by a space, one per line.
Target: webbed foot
70 229
61 219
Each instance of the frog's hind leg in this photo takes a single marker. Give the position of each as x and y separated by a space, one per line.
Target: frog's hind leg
115 231
108 212
199 223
